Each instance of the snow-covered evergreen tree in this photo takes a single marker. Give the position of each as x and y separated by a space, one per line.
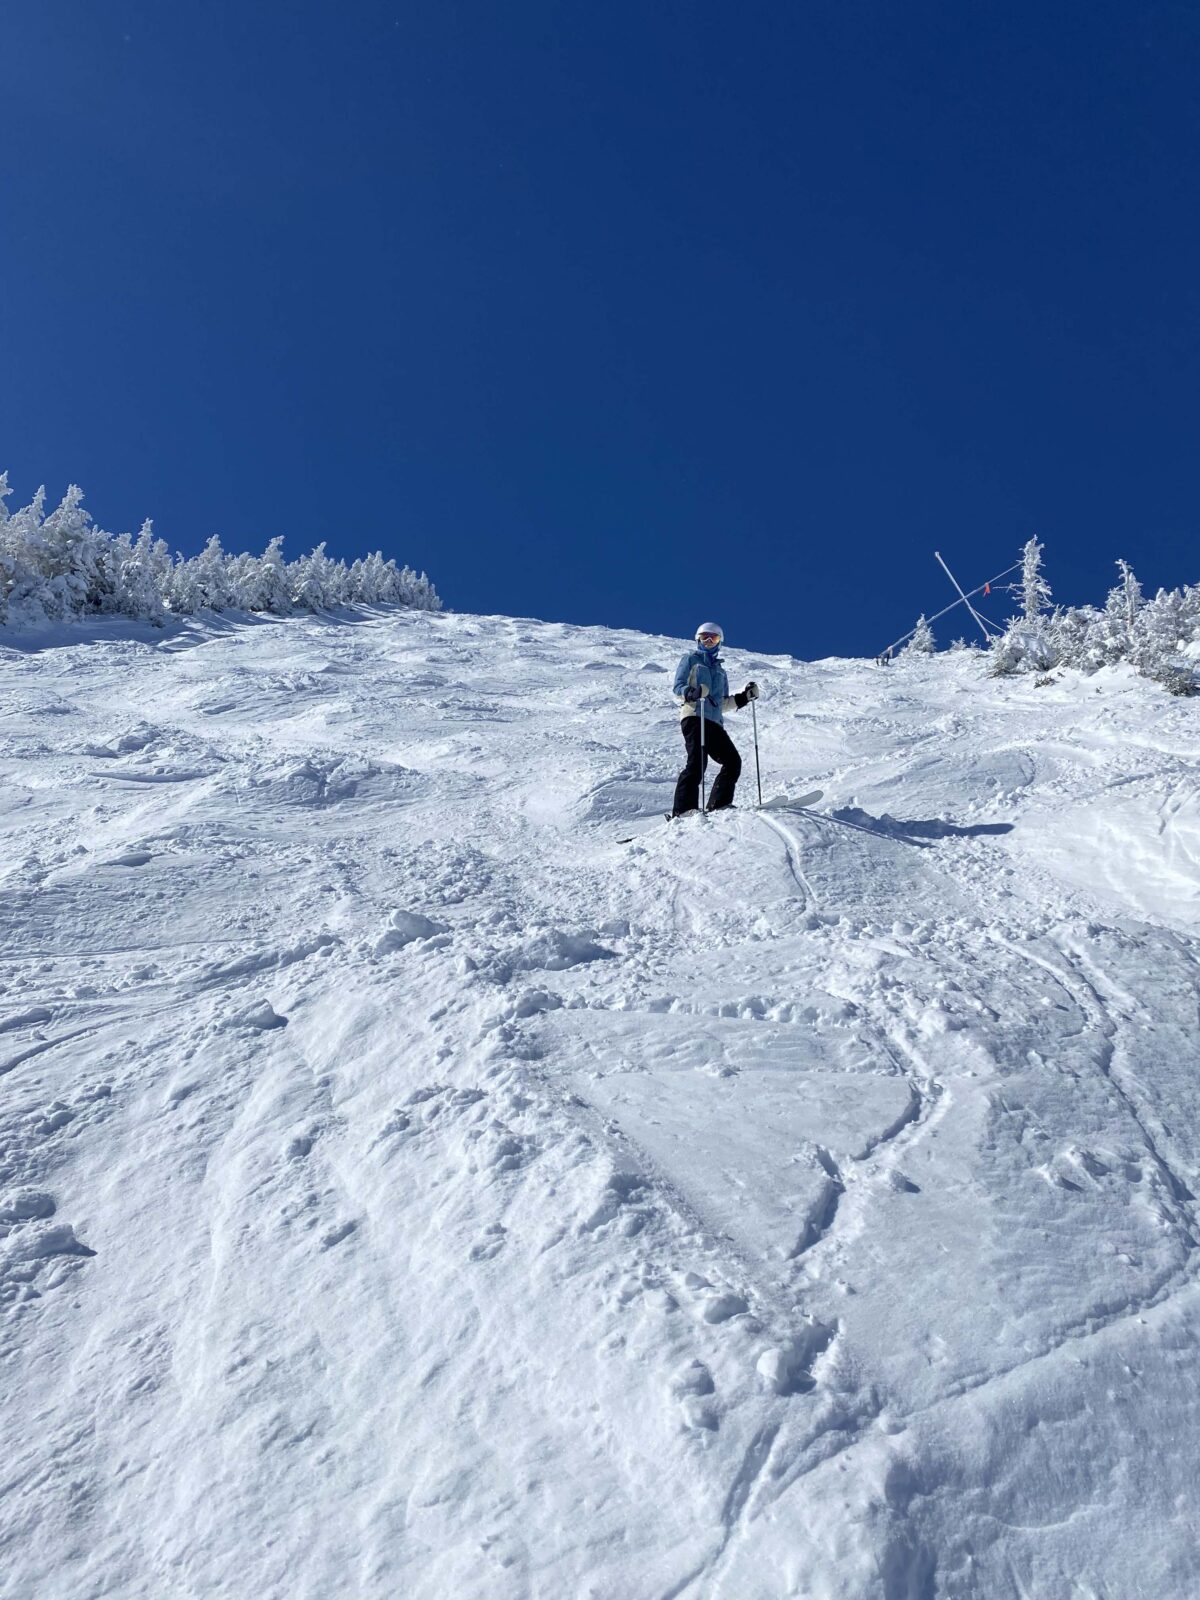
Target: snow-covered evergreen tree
271 580
1068 633
1033 591
77 574
416 591
212 577
60 566
151 570
241 582
1113 637
922 642
1164 628
27 561
7 554
182 592
313 580
374 579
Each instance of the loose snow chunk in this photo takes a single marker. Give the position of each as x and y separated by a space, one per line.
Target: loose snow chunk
699 1414
138 738
552 950
38 1243
129 858
261 1016
21 1205
775 1369
406 927
620 1190
722 1307
534 1001
786 1369
694 1378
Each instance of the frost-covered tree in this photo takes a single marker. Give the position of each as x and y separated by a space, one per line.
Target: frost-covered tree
8 565
1033 590
271 580
39 582
1027 643
138 570
417 591
1116 629
182 592
314 582
150 571
922 642
373 579
1163 630
1068 633
1023 647
211 573
24 534
60 566
77 572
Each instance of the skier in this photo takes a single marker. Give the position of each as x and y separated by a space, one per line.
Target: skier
702 688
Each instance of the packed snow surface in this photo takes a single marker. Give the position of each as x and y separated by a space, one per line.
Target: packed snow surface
408 1189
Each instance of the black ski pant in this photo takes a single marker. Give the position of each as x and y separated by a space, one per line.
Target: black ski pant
720 747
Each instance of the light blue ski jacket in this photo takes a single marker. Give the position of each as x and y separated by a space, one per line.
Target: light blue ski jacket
699 669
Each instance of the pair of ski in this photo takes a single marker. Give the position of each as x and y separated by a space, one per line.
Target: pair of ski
780 802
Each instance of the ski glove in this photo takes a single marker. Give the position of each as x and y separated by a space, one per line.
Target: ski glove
693 694
750 692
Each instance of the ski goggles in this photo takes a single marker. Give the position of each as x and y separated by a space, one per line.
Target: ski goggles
709 638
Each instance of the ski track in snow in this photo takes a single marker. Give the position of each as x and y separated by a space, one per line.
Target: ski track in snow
791 1203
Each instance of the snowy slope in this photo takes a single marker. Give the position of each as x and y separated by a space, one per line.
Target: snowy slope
407 1189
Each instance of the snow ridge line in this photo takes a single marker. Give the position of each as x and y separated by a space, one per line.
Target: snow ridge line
791 845
43 1045
913 1112
754 1460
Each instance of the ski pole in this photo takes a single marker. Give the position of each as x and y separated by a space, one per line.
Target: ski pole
757 768
703 792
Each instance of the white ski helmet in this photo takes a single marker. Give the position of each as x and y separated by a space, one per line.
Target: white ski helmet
708 628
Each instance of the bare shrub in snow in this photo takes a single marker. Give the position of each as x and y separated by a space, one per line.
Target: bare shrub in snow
60 566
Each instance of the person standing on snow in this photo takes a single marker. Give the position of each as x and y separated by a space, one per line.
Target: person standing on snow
702 688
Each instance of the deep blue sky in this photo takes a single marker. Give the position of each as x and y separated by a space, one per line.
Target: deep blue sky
620 312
